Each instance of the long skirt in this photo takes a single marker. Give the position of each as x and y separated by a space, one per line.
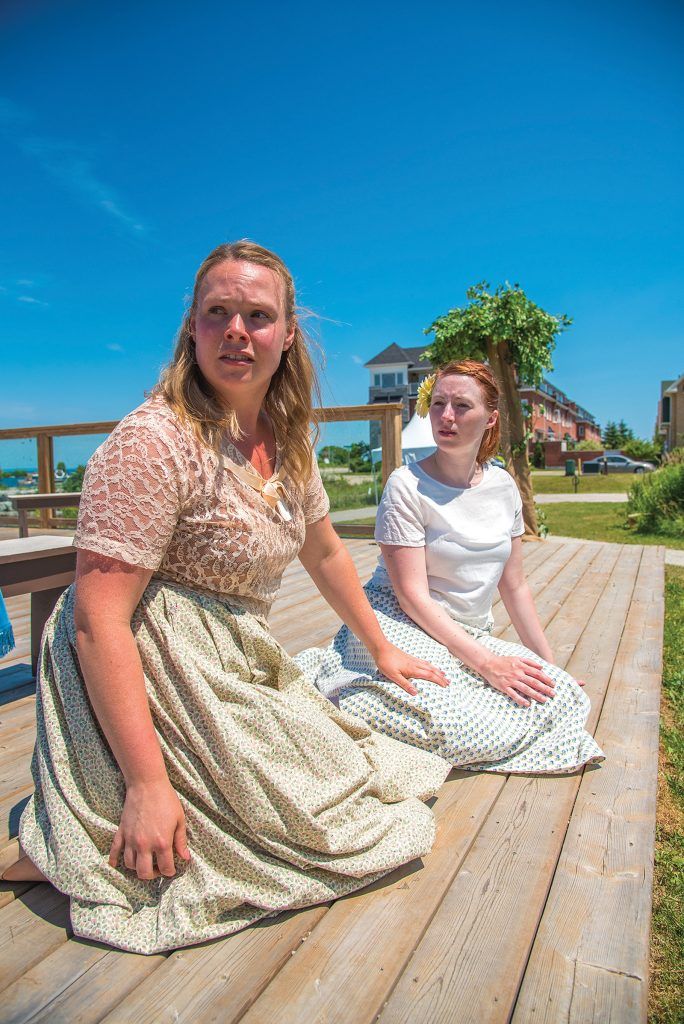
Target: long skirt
468 723
288 801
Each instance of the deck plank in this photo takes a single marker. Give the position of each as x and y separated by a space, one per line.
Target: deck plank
357 959
364 942
351 961
590 956
469 965
78 981
30 929
230 971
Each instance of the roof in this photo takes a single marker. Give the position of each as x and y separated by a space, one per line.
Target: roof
673 386
396 354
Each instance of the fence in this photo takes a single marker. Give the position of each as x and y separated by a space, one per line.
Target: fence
388 413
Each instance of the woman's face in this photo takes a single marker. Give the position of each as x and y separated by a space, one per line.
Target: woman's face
239 329
458 414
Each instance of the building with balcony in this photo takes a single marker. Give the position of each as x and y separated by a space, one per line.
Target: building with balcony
396 372
555 417
670 417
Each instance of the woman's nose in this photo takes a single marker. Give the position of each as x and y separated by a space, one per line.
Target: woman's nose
448 413
236 327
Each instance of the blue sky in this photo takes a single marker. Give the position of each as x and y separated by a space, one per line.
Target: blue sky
393 154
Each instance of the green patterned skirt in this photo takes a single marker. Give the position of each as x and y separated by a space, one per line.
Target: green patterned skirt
289 801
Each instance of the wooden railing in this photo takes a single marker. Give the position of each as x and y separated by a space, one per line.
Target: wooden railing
388 413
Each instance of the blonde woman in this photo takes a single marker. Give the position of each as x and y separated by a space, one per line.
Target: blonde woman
449 529
189 779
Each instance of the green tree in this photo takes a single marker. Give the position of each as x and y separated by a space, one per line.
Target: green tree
333 455
74 482
359 457
516 337
626 433
610 437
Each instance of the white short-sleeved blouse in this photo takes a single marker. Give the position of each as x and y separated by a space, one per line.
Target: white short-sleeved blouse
466 534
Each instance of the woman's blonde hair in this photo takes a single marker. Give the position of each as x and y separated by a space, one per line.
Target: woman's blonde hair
491 439
294 385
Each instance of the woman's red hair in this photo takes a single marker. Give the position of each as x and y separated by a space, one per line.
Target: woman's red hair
491 439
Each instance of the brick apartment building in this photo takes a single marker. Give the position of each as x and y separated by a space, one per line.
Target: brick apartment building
670 417
396 372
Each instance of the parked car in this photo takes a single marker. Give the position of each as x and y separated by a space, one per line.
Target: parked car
620 464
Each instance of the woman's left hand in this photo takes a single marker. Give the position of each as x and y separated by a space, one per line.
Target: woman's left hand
401 668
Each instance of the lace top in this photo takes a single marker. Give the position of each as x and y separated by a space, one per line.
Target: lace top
155 496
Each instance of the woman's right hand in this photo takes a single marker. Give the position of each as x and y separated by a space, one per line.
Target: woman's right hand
152 826
521 679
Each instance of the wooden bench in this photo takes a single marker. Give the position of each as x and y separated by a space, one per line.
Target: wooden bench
25 503
534 904
42 567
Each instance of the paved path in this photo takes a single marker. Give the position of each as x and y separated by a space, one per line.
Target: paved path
348 515
557 499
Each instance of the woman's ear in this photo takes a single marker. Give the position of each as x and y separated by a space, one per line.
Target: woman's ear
492 419
290 336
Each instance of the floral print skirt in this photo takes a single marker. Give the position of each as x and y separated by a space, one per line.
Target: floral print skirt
288 800
468 723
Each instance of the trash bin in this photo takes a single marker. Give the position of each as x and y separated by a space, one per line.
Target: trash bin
570 467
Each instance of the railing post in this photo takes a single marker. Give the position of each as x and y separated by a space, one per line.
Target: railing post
390 439
46 474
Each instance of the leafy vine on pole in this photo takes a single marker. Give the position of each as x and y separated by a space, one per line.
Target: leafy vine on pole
516 337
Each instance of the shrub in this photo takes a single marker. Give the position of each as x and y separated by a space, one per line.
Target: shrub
656 501
643 451
538 460
589 446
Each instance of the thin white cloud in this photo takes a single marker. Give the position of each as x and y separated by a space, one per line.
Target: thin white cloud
31 301
24 282
72 165
358 360
114 347
11 411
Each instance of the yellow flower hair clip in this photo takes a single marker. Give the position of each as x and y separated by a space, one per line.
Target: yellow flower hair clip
425 394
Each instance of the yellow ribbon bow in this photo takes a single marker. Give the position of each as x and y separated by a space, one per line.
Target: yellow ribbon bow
273 490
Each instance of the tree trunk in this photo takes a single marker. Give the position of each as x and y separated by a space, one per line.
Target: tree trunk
513 431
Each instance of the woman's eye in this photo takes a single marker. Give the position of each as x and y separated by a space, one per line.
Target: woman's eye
260 314
217 309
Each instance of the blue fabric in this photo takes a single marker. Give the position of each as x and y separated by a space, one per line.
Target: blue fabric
6 634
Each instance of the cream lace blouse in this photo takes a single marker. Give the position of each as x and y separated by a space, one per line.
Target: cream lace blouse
154 496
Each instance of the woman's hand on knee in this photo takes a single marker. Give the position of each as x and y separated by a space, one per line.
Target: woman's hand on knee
152 827
521 679
401 668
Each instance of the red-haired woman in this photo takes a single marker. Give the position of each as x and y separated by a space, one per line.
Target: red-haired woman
449 528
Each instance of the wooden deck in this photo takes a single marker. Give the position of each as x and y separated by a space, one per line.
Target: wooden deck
534 904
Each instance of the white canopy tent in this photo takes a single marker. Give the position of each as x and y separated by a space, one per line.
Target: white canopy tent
416 441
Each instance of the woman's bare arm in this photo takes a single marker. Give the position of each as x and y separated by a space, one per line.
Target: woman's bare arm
330 566
519 603
519 678
107 593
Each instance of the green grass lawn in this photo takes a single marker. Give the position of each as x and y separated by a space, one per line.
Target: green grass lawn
590 522
599 522
666 1005
614 483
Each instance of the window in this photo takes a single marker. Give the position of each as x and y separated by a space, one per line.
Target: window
666 409
400 377
376 380
392 380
